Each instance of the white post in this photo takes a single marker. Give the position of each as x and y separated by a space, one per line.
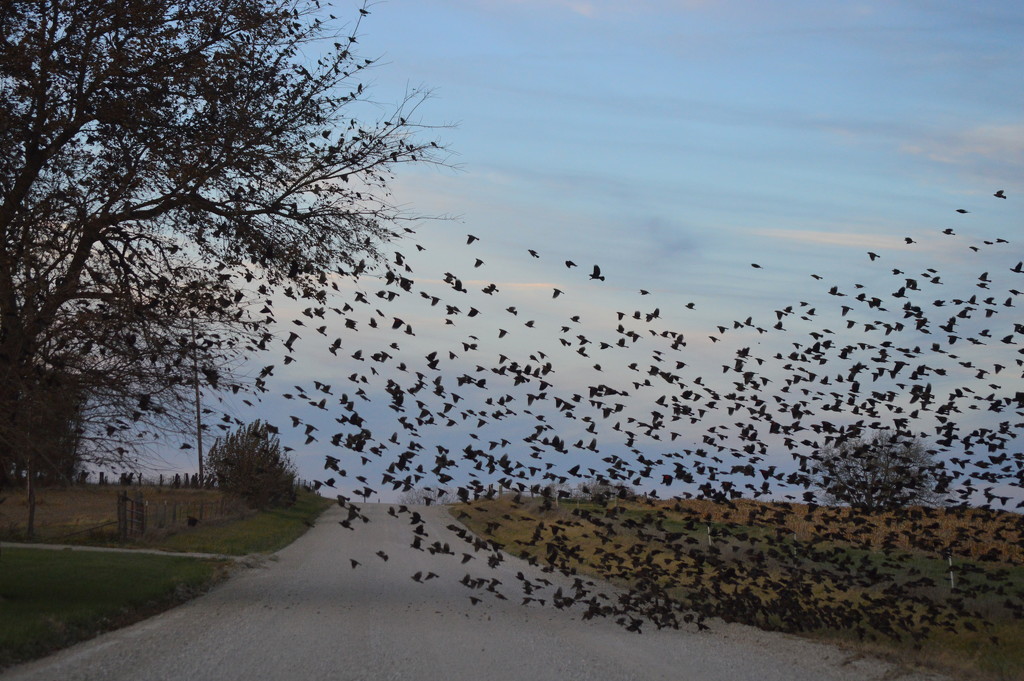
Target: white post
952 579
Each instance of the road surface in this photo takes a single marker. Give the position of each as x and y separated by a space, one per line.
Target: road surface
307 614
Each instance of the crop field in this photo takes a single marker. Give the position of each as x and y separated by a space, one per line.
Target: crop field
875 582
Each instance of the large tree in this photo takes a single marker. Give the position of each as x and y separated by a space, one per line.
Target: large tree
164 164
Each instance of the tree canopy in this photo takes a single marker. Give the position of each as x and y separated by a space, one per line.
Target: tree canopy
878 472
155 159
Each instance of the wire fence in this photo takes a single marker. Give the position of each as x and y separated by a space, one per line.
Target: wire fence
120 507
136 515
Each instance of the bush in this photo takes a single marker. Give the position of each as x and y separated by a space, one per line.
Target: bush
880 473
250 463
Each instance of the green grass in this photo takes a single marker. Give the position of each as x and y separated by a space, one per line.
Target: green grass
264 532
51 599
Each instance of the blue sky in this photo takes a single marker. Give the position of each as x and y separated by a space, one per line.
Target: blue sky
660 136
674 143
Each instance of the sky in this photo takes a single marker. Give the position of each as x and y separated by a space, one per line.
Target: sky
676 144
670 141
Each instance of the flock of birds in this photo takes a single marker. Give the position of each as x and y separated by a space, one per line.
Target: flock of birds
439 384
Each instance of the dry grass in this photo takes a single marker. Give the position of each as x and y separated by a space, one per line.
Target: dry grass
826 573
88 513
971 533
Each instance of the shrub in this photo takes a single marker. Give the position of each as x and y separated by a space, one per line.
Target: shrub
249 462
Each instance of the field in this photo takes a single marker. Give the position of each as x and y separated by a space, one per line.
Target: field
879 583
87 514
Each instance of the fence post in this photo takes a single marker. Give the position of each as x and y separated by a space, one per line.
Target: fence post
122 515
139 514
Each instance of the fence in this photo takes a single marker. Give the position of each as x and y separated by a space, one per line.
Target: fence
131 516
136 515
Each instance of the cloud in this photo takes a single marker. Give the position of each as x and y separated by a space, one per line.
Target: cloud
842 239
1000 143
520 285
584 8
595 8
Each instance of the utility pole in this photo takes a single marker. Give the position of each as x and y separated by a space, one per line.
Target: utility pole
199 405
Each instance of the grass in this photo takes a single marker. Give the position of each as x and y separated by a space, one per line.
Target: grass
51 599
83 514
87 514
264 532
878 583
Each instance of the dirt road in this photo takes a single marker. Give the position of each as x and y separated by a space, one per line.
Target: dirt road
308 614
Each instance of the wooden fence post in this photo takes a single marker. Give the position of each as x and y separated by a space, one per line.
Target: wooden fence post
122 515
139 515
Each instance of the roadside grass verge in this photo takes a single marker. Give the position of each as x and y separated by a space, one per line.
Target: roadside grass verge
52 599
264 532
828 580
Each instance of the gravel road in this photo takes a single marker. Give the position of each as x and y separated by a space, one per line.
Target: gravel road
307 614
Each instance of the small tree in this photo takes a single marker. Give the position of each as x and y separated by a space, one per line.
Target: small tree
602 491
249 462
879 473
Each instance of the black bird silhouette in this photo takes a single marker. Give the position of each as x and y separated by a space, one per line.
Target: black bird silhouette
687 459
